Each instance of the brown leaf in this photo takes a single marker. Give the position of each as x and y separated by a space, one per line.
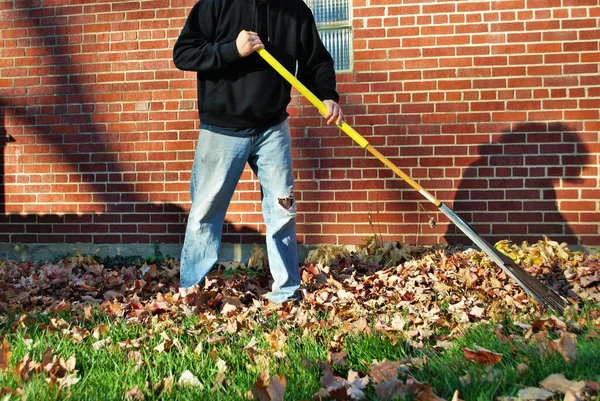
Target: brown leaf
5 353
355 385
63 382
552 323
334 386
269 388
221 370
26 368
102 343
337 358
522 368
558 383
384 371
422 391
482 355
100 330
135 394
391 389
277 340
565 345
164 386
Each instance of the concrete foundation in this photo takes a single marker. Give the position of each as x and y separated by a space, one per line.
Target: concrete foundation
229 252
43 252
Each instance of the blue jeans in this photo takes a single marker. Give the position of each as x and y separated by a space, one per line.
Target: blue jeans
218 165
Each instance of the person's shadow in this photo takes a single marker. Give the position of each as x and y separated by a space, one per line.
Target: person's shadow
4 140
509 192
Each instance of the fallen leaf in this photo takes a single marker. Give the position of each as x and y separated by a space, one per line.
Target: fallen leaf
384 371
135 394
187 379
391 389
534 394
99 331
221 370
522 368
558 383
164 386
269 388
102 343
356 385
5 353
337 358
482 355
566 346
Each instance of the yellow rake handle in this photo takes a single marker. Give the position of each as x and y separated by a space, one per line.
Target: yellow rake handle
356 137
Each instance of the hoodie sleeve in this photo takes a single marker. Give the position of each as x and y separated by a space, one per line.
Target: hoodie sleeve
195 49
315 65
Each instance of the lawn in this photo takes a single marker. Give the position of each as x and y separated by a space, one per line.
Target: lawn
385 322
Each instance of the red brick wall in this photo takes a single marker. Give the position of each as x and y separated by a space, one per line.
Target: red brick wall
490 105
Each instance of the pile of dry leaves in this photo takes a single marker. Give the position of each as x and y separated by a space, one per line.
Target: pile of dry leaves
400 291
405 289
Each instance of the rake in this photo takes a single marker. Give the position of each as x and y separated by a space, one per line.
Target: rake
547 297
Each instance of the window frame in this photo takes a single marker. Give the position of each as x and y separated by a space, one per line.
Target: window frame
338 25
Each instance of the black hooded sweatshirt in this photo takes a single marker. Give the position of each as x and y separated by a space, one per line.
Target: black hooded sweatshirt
245 92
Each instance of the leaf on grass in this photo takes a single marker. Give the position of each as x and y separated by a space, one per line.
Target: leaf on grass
391 389
384 371
164 386
65 381
335 387
60 372
5 353
477 312
356 385
558 383
26 368
135 394
534 394
465 380
221 370
566 346
187 379
102 343
522 368
99 331
337 358
552 323
482 355
166 345
277 340
421 391
251 346
268 388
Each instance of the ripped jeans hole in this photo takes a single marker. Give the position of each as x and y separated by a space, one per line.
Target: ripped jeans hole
286 203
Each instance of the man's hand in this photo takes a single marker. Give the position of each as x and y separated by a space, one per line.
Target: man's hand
247 43
334 112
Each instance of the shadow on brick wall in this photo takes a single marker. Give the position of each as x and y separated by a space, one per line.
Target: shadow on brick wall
117 212
5 139
514 190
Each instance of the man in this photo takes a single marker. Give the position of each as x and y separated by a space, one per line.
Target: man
242 105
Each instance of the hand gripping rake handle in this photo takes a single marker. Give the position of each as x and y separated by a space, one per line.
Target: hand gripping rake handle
356 137
544 295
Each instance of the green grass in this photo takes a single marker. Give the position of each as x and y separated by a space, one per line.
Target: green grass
107 374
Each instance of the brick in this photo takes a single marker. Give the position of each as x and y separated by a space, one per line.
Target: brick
108 128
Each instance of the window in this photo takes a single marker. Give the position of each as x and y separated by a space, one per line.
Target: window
333 22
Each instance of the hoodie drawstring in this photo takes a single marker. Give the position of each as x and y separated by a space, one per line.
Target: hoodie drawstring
254 12
268 22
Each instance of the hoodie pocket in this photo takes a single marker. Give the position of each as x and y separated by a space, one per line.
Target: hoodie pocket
213 102
254 95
